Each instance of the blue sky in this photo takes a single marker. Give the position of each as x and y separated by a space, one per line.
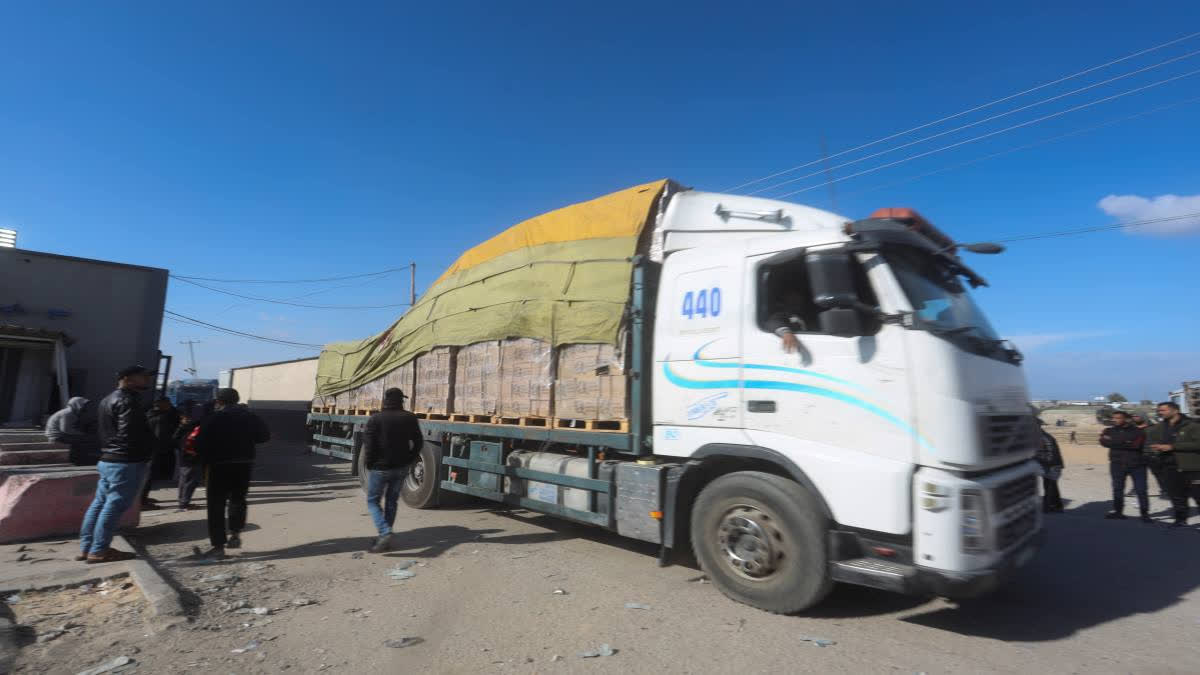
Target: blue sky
285 140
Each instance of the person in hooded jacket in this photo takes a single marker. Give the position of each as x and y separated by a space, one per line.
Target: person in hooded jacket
187 466
225 444
75 425
391 443
1050 457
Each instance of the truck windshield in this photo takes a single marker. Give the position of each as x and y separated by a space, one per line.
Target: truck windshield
940 303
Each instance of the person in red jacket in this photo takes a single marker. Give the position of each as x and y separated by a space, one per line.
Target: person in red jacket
1124 442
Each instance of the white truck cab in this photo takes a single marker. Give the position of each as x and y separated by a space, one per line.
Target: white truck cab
899 411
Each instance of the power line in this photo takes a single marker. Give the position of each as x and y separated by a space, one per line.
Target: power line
975 123
1100 228
1026 146
291 281
285 302
993 133
180 318
966 112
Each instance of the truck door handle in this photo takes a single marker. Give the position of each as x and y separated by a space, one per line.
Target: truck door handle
760 406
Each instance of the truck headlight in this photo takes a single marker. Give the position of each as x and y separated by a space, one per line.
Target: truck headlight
934 497
974 520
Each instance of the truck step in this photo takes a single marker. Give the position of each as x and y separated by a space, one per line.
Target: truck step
873 572
591 425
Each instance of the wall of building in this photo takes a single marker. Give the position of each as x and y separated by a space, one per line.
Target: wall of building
280 393
113 312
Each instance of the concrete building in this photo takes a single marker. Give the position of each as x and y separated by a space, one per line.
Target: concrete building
67 325
281 393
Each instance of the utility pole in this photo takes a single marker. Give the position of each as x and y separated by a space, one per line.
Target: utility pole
412 284
191 350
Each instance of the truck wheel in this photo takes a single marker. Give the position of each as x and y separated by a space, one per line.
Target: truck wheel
420 489
762 540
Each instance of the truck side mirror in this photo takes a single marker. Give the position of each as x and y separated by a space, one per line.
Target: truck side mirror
841 322
832 281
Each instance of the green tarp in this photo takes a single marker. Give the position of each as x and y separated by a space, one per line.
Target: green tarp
549 278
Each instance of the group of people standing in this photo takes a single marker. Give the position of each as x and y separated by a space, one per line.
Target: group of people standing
1170 449
128 444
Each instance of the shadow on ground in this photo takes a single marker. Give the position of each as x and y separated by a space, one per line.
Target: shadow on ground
1091 571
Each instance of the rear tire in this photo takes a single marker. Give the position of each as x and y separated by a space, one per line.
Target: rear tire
420 489
762 540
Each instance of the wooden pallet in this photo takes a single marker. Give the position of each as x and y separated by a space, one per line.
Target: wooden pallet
433 416
523 421
471 419
591 425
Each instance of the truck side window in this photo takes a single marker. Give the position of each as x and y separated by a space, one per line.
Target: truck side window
785 298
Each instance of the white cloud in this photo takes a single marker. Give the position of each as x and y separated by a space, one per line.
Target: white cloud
1129 208
1034 341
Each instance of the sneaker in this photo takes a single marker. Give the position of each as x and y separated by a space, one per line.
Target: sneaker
1179 523
382 544
111 555
235 541
81 557
150 506
1147 519
215 553
1113 515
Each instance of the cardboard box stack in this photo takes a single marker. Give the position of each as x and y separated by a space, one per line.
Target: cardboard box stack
526 378
477 378
591 383
433 391
401 378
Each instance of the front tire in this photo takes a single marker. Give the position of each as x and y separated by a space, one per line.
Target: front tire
762 540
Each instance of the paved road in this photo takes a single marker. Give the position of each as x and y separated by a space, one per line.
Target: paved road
1102 597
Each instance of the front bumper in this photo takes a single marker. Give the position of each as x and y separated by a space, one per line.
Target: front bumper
914 580
972 584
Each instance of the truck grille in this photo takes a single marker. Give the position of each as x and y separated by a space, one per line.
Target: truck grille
1014 492
1015 530
1006 434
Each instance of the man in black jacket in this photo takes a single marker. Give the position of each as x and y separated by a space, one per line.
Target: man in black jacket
164 420
1124 442
225 444
125 448
391 442
1050 457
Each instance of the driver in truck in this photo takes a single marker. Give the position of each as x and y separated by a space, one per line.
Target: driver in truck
787 319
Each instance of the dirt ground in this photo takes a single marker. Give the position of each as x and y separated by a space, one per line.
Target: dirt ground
496 590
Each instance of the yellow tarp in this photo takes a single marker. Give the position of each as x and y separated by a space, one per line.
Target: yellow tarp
620 214
562 277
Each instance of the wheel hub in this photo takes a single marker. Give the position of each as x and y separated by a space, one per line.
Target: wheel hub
416 475
750 542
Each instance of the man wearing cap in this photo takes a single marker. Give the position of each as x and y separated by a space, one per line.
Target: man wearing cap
126 445
391 442
225 444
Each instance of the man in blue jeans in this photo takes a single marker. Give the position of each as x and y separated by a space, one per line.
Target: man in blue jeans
126 445
391 442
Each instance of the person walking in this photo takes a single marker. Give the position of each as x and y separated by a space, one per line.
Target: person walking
187 466
1124 442
1154 461
225 445
163 419
1073 439
75 426
391 442
1050 457
125 448
1176 439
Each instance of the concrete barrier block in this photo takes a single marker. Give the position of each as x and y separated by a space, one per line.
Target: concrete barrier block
34 456
49 501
